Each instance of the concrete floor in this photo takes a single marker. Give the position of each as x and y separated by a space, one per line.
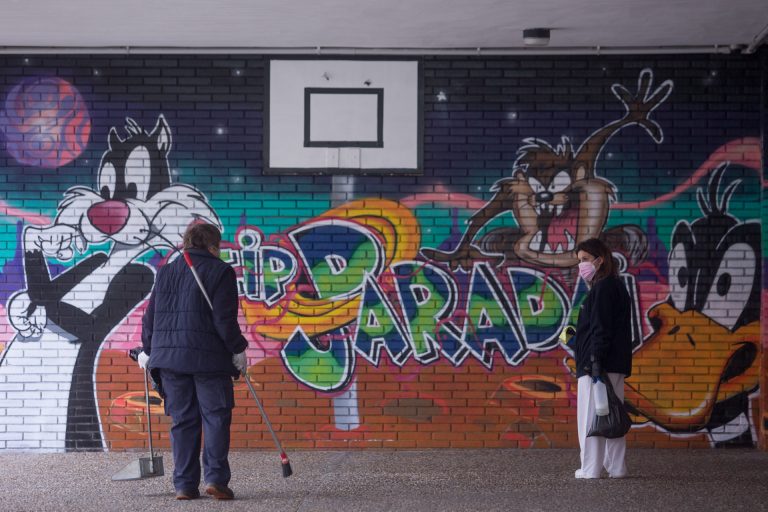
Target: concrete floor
434 481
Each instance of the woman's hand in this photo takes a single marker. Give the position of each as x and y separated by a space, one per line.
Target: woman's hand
597 370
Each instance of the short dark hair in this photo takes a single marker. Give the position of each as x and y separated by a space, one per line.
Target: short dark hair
202 236
598 249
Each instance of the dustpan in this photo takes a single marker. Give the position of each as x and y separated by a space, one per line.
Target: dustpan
145 467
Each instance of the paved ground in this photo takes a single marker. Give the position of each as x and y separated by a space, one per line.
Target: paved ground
435 481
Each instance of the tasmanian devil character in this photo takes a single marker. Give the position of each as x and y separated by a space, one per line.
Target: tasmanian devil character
554 194
708 329
134 208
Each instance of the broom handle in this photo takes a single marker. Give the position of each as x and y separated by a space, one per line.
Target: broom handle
263 414
188 259
149 425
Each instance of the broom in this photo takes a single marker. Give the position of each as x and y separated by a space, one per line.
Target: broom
285 463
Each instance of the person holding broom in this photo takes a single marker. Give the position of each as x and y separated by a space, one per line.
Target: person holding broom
602 346
197 350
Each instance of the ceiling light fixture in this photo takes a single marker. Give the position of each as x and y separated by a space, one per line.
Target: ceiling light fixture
536 36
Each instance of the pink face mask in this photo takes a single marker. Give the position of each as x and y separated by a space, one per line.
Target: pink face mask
587 270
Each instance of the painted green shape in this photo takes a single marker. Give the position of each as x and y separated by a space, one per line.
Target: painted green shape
540 306
318 369
425 292
332 283
323 369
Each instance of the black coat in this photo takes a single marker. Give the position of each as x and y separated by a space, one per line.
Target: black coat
179 331
604 329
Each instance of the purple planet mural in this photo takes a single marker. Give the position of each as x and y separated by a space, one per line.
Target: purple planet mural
45 122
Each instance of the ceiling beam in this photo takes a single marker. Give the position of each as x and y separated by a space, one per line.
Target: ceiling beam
327 50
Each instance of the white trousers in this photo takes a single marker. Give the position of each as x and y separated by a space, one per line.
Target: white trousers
598 452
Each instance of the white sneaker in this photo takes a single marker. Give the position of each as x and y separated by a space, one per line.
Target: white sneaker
580 474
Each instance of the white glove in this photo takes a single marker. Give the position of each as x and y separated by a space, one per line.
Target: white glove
142 359
240 361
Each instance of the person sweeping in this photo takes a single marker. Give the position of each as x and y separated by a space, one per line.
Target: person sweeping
197 349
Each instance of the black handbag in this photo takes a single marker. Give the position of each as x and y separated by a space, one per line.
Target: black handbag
614 424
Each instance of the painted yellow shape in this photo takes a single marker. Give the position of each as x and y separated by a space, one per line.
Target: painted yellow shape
677 375
395 227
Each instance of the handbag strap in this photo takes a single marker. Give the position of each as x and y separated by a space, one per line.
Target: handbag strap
609 386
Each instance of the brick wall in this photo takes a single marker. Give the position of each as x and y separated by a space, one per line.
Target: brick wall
443 343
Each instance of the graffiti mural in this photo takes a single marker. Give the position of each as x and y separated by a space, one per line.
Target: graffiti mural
66 311
45 122
554 193
386 308
713 306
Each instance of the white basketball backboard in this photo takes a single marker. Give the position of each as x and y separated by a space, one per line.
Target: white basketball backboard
343 116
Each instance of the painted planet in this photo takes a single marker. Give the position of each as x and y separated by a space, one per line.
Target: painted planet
45 122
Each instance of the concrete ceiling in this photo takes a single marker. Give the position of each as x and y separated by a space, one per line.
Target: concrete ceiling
421 24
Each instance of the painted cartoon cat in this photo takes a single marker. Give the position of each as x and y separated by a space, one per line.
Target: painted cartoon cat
63 319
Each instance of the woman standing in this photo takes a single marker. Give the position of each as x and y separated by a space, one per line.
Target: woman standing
602 343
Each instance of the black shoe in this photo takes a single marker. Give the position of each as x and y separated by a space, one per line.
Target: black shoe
191 494
220 492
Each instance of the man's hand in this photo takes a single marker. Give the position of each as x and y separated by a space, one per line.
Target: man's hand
142 359
240 361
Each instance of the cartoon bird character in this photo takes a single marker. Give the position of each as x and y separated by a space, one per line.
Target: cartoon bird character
706 334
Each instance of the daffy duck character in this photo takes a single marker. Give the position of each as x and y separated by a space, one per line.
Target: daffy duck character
713 308
135 208
556 198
